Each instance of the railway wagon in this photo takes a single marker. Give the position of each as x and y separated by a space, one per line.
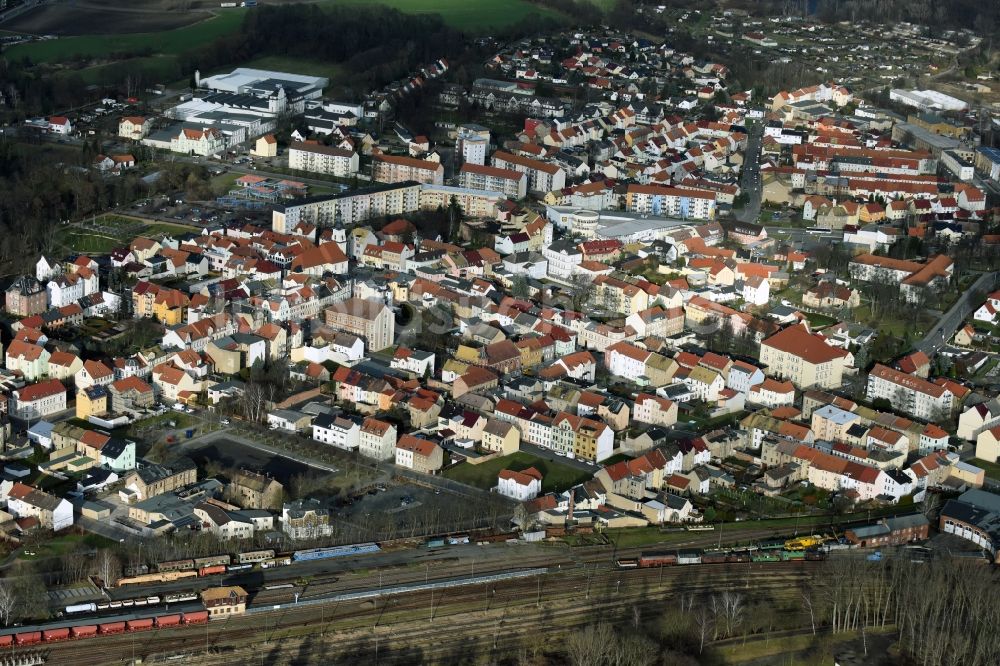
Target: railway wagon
165 577
212 561
81 608
6 640
627 562
168 620
196 617
84 631
212 570
738 556
766 556
280 561
689 557
142 624
175 565
51 635
28 638
336 551
107 628
664 559
255 556
178 597
714 557
239 567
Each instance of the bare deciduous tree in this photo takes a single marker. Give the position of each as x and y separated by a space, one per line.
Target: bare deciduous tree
8 601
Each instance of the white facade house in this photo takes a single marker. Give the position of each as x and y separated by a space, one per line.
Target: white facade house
520 486
377 439
52 512
337 431
38 400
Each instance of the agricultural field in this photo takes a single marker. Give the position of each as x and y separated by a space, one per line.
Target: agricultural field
168 42
105 29
84 19
555 477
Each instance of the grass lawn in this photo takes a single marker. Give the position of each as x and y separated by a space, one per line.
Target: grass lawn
60 545
617 458
992 469
156 229
76 240
169 42
819 320
555 477
160 68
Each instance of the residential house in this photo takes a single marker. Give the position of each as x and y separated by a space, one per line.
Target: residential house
520 486
418 454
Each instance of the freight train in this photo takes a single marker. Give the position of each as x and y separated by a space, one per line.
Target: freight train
79 631
671 558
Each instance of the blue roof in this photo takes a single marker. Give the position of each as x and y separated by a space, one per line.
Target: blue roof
993 154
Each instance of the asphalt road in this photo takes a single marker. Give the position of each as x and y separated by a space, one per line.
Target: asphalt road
750 177
939 334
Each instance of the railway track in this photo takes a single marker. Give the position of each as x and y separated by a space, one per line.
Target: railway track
433 624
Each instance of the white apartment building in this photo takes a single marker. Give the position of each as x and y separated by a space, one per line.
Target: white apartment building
399 169
542 176
315 157
910 394
670 202
512 183
348 208
473 141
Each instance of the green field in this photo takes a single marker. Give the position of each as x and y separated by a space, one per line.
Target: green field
169 42
555 477
303 66
77 240
479 15
463 14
